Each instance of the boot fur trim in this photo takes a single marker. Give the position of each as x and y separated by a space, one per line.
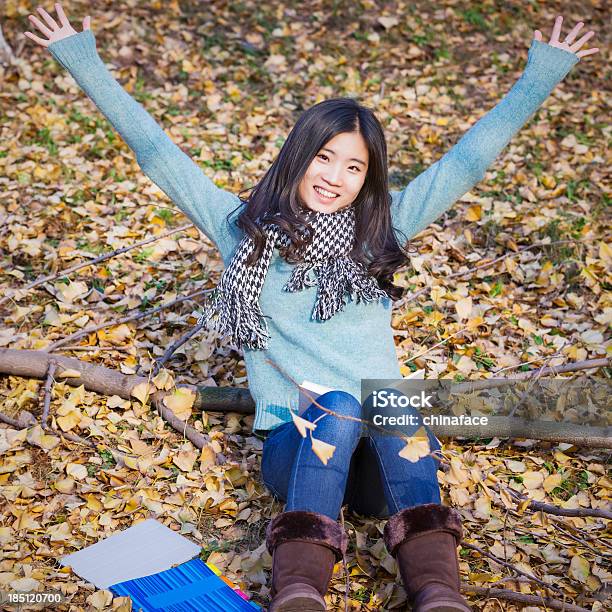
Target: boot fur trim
302 526
426 518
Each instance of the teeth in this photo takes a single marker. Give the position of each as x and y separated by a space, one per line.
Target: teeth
327 194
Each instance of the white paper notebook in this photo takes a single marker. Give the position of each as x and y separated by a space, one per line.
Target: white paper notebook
314 390
146 548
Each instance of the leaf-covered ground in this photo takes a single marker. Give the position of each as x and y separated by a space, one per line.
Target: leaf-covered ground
227 81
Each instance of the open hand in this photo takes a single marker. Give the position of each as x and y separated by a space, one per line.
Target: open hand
568 44
52 30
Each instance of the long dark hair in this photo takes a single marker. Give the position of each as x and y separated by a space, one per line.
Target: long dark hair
277 193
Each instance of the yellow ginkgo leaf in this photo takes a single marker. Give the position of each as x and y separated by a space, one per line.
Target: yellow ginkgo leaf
552 482
605 251
164 380
180 402
208 457
482 507
323 450
38 437
100 600
185 460
417 446
69 421
64 485
533 480
71 291
141 392
474 213
60 532
579 568
116 335
302 424
76 470
464 307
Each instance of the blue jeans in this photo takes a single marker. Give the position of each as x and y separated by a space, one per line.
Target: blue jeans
364 472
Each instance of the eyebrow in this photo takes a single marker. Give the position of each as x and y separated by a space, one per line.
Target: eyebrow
359 161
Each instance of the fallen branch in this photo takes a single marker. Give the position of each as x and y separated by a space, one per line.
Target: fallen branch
34 364
175 346
93 262
552 587
536 600
48 387
557 511
487 383
26 419
412 296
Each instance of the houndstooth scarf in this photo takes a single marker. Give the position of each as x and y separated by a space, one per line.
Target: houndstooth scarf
234 308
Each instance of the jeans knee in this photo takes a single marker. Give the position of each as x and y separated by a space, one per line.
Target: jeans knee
342 404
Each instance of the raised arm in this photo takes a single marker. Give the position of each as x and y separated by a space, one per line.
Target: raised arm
436 189
160 159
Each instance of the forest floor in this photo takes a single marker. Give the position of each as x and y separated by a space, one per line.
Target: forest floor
227 81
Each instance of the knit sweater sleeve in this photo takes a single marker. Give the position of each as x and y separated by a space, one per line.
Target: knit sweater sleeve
435 190
174 172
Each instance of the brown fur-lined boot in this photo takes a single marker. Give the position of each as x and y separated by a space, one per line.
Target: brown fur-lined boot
423 539
304 546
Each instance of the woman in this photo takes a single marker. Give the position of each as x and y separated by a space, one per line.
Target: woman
308 286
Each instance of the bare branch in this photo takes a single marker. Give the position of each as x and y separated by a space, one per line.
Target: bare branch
490 593
48 388
552 587
17 293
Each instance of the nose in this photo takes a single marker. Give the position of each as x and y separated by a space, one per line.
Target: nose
333 175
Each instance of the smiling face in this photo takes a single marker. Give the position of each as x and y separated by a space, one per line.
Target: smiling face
336 174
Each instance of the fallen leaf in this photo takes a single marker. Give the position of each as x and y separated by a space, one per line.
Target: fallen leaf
181 402
323 450
302 424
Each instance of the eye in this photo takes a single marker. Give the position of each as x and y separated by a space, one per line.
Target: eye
356 168
322 155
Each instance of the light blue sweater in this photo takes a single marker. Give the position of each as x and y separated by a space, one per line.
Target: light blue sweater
357 342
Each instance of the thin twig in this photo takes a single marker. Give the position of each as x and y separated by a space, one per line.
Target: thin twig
490 593
431 348
557 511
120 349
174 346
568 534
435 454
94 328
21 422
48 389
26 419
559 524
94 262
524 363
552 587
413 296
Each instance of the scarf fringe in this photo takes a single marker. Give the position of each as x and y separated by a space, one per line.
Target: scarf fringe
231 315
335 278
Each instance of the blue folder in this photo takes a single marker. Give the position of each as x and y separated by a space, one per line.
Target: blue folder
189 587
